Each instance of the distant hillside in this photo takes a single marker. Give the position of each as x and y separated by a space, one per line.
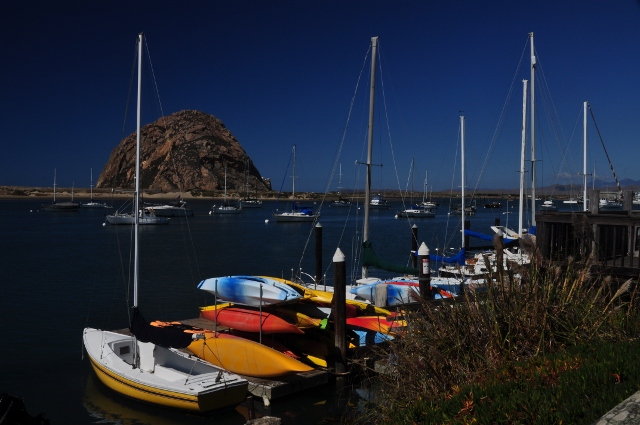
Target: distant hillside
184 151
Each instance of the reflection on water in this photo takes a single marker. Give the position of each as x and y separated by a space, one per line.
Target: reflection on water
105 406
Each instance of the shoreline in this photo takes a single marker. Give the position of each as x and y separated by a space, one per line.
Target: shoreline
24 192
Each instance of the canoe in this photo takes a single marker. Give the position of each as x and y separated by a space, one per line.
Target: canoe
244 357
249 290
247 320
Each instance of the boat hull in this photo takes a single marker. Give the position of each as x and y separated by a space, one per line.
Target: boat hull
294 217
130 219
201 394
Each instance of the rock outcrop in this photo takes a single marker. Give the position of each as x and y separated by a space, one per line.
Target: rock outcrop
184 151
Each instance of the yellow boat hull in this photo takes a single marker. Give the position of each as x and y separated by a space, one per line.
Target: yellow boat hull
245 357
133 389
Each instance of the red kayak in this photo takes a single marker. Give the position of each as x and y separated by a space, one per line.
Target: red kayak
248 320
376 323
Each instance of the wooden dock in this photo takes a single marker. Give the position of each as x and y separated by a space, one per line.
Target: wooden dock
611 238
266 389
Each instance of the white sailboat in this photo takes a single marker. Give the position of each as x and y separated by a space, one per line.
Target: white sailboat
296 214
340 202
248 201
415 211
92 203
61 206
226 207
141 367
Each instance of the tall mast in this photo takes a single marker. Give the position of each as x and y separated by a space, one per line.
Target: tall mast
522 155
584 157
367 192
137 193
533 133
462 167
54 185
293 177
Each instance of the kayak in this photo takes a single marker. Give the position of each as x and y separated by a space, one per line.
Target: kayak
249 290
247 320
244 357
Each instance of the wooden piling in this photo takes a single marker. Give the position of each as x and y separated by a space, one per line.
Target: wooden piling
424 273
340 310
318 232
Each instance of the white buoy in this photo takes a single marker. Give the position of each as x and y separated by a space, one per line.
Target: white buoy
30 210
104 224
395 216
266 221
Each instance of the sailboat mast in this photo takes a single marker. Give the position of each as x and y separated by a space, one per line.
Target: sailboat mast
293 177
533 133
584 157
92 185
137 193
367 192
54 185
522 151
462 167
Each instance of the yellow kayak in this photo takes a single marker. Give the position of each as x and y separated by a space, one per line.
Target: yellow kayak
244 357
325 297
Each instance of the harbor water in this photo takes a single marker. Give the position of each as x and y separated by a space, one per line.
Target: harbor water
62 272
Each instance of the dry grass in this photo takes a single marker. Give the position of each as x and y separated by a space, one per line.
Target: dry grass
543 311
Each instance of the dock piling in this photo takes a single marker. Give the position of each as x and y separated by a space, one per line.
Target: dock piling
340 311
424 273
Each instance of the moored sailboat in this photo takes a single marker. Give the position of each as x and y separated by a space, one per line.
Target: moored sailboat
297 213
143 365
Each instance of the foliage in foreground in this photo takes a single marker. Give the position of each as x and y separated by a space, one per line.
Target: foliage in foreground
547 345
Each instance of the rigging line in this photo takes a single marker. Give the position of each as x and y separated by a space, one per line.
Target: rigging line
605 149
386 113
501 119
131 79
153 75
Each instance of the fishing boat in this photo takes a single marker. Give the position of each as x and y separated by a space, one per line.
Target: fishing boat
143 365
249 290
226 207
61 206
92 203
297 213
378 202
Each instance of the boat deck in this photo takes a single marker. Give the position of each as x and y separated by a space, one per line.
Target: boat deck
267 389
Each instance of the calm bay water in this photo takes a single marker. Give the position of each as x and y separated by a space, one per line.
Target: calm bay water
64 271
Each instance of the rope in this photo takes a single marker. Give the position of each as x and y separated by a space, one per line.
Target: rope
605 150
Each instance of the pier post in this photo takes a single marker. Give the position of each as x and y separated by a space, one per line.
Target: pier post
318 231
414 246
424 273
496 221
340 311
467 225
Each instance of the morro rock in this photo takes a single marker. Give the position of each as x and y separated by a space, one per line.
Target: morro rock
184 151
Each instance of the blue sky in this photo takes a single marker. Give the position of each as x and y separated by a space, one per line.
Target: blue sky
279 73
